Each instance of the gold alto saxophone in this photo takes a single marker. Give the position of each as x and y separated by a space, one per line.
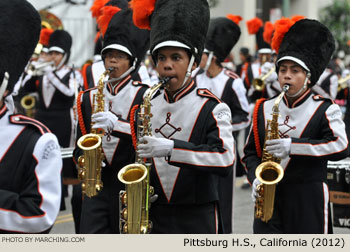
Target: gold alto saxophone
269 172
90 162
134 218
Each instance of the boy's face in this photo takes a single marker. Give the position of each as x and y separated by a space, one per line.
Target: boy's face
118 60
292 74
173 62
56 57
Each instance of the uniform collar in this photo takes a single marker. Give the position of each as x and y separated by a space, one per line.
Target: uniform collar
180 93
299 101
114 89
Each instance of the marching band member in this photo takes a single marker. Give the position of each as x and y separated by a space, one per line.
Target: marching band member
311 129
223 34
92 72
124 47
191 142
30 183
57 89
327 84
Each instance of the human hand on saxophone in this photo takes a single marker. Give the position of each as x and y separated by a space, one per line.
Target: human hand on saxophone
279 148
104 120
255 184
151 146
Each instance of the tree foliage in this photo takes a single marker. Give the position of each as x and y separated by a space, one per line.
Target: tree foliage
336 17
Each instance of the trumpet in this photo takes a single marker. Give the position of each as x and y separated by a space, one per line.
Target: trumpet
343 82
36 68
259 83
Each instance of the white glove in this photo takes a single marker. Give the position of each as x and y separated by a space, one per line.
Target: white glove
104 120
151 146
345 73
279 148
47 69
255 184
265 68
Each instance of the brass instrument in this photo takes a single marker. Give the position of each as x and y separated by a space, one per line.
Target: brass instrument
91 161
28 104
134 218
343 82
259 83
67 152
269 172
36 68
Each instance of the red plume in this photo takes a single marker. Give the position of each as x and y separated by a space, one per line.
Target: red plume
282 26
296 18
96 7
142 10
234 18
103 20
268 31
254 25
45 34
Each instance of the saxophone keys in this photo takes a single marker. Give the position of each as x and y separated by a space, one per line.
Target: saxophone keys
124 214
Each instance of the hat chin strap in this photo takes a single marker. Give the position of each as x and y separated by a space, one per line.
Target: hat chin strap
302 89
207 64
188 72
4 83
62 61
132 68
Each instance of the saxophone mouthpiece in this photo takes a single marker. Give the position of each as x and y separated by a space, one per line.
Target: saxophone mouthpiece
111 69
164 80
286 87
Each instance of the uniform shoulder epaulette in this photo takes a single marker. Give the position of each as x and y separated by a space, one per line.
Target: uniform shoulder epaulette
206 93
24 120
231 74
139 83
321 98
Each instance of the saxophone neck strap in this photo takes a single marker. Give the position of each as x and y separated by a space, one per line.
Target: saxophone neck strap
255 127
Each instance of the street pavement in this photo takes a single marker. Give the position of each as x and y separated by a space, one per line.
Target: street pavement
242 221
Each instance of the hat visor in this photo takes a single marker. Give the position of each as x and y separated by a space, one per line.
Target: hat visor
117 47
296 60
265 50
172 43
56 49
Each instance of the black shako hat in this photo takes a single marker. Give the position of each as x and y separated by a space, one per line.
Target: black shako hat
181 23
60 41
263 46
310 44
124 36
222 35
20 26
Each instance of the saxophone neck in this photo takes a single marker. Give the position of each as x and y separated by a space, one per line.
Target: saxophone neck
279 98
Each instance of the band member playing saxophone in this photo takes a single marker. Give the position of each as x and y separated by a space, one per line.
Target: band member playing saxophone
191 143
31 163
309 132
124 47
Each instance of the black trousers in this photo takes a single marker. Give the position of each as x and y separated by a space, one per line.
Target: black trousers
298 209
184 219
